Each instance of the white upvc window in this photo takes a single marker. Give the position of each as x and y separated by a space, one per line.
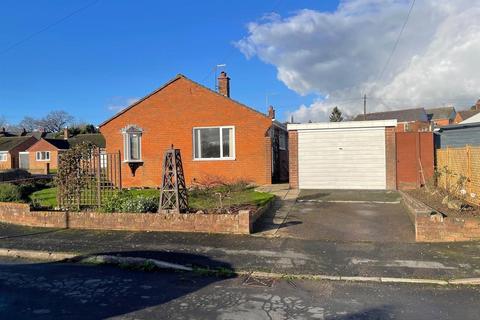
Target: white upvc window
42 155
214 143
132 144
3 156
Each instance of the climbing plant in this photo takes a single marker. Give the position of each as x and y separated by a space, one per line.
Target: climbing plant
73 175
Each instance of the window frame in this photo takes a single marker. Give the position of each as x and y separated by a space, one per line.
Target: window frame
222 158
126 134
37 158
285 139
2 154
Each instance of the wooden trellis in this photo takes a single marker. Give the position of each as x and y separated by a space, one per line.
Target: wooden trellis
173 196
102 177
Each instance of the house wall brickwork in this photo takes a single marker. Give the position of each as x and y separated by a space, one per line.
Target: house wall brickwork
169 115
293 158
12 155
390 158
40 166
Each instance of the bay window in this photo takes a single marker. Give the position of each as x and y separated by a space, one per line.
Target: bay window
214 143
132 144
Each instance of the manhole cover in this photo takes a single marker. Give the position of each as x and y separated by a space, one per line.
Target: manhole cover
253 281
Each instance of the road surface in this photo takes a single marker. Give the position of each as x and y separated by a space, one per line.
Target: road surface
31 289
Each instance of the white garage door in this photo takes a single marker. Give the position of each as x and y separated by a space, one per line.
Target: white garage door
351 158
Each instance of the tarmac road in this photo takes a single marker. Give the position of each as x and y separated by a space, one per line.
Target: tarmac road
31 289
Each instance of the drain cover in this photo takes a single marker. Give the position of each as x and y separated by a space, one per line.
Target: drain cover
253 281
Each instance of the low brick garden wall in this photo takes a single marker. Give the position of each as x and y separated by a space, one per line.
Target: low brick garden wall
240 223
432 226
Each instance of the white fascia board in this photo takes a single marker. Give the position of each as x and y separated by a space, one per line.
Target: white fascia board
342 125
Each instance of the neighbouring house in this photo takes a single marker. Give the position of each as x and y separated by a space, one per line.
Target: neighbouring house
464 115
218 136
11 148
473 119
458 135
408 120
440 117
43 155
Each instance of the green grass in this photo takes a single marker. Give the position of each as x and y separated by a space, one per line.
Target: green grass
47 198
199 200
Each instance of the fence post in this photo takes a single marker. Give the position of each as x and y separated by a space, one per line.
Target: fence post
120 169
469 168
99 177
447 170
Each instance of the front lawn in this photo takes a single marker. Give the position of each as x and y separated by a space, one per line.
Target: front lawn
45 198
209 201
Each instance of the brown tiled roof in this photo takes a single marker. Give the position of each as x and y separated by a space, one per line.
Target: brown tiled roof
406 115
465 114
8 143
440 113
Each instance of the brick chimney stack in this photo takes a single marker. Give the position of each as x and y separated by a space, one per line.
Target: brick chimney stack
65 133
271 112
224 84
477 105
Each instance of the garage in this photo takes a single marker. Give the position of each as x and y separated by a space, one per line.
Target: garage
343 155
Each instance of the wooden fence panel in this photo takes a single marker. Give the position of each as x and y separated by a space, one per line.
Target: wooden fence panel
455 163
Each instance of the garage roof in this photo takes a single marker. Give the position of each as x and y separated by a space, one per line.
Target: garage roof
342 125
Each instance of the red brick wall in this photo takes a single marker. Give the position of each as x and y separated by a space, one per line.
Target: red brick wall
435 227
391 158
413 126
293 158
39 166
241 223
169 116
442 122
7 165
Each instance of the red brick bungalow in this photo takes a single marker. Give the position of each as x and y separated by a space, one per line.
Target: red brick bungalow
10 148
43 155
218 137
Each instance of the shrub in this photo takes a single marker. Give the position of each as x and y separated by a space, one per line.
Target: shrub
126 202
10 193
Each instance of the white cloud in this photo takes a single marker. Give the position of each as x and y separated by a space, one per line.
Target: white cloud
119 103
340 55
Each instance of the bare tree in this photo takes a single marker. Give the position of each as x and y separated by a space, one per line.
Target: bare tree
28 123
3 122
55 121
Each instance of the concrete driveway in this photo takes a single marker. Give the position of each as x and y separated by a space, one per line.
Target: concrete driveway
376 216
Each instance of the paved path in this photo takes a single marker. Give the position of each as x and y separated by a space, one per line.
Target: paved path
30 290
281 255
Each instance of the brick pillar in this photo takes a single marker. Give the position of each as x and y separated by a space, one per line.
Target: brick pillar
268 160
293 159
391 158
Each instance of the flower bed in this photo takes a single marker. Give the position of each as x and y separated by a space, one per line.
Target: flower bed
432 225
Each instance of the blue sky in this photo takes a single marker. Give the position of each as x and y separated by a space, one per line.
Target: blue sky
117 50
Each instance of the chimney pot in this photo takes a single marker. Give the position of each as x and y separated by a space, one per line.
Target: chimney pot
224 84
65 133
271 112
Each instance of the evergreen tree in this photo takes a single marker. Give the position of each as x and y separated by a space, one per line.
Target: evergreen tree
336 115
